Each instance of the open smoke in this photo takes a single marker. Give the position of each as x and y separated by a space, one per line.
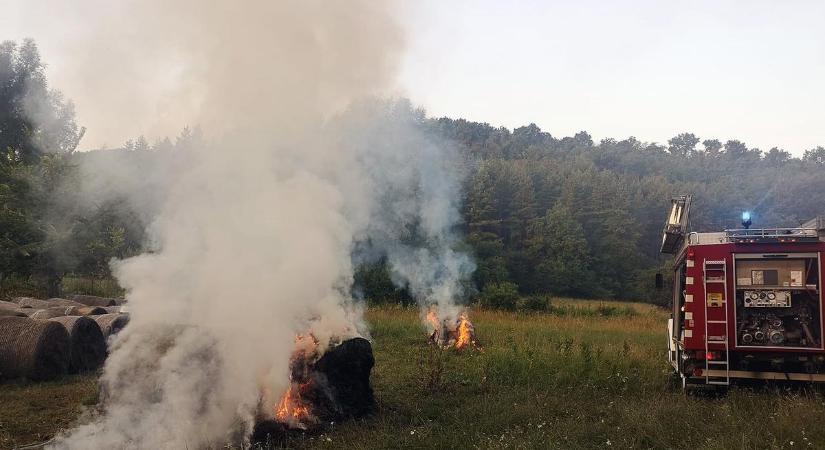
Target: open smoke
412 181
251 243
252 231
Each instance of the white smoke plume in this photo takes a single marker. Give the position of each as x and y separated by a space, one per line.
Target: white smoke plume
252 231
413 180
251 241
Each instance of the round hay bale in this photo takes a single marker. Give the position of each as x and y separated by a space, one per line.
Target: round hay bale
58 311
11 312
11 309
86 310
33 349
93 300
111 324
113 309
28 302
48 313
6 304
88 346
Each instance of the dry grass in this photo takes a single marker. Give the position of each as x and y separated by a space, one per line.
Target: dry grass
34 412
545 380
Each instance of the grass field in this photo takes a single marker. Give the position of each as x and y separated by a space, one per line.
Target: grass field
587 375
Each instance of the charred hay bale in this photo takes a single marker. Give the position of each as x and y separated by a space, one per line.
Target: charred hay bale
269 434
88 346
342 381
11 309
93 300
33 349
112 309
28 302
111 324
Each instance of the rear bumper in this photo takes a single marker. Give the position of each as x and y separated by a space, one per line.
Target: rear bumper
810 377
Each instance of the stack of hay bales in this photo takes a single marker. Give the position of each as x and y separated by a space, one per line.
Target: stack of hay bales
28 302
59 311
43 339
55 307
88 346
33 349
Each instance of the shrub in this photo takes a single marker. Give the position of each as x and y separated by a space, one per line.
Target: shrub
500 295
534 303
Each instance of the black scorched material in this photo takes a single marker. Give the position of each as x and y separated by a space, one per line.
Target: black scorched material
342 380
337 388
33 349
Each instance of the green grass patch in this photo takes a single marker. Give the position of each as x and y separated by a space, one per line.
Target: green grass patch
35 412
592 377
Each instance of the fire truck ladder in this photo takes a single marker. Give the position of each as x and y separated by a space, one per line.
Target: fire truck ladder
720 276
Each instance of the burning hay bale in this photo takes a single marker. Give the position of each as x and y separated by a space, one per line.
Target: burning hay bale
111 324
33 349
93 300
460 334
11 309
335 387
88 346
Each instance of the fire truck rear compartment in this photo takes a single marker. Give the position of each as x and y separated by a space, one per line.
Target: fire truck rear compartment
777 303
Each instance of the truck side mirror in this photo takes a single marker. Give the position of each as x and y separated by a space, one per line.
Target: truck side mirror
660 281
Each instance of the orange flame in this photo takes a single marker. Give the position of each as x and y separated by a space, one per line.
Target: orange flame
460 336
291 409
466 332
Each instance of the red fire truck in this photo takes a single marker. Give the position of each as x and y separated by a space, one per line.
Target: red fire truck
747 303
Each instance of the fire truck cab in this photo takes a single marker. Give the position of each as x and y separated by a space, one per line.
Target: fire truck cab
747 303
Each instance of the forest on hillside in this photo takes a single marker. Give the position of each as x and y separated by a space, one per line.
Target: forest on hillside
540 214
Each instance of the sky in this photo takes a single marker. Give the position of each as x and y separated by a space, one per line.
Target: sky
750 70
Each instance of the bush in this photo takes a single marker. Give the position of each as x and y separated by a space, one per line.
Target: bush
534 303
502 295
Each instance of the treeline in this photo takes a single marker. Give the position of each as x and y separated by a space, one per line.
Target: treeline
541 214
572 217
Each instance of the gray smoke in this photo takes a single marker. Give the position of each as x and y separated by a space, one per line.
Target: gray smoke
250 237
413 181
252 230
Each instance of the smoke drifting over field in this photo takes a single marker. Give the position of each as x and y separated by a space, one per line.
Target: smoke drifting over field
412 182
253 231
